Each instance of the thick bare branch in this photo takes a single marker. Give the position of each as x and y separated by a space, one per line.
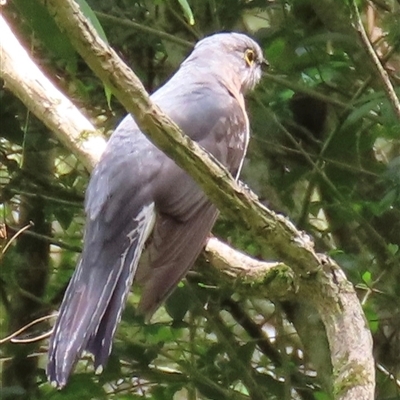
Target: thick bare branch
271 279
27 81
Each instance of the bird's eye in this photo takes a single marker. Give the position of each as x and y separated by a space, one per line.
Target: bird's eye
249 57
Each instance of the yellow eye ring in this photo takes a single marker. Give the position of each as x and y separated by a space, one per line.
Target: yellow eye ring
249 57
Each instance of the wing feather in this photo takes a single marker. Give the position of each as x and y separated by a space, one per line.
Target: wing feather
185 216
172 250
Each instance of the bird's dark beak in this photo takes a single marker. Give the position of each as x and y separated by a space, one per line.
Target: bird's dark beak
264 64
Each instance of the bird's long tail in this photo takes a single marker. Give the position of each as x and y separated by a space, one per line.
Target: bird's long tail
92 306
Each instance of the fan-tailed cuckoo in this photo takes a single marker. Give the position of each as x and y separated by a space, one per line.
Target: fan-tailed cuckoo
138 200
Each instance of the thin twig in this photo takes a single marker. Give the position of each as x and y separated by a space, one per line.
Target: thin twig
51 241
387 84
40 196
34 339
297 87
327 160
14 237
10 338
143 28
389 374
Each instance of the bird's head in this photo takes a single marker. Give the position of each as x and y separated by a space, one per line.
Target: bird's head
231 55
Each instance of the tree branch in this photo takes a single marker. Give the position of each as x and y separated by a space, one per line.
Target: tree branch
30 85
387 84
319 280
272 279
143 28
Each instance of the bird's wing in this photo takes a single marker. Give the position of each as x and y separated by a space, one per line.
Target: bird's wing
173 248
185 216
214 118
211 116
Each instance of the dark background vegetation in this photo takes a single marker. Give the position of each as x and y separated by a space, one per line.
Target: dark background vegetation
325 151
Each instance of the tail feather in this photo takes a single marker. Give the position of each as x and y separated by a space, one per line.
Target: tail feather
95 298
79 314
100 343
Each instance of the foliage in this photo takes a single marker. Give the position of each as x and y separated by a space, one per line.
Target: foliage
325 152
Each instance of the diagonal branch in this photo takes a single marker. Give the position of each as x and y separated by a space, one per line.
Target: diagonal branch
143 28
387 84
41 97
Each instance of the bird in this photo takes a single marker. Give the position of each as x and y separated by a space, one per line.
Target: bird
147 220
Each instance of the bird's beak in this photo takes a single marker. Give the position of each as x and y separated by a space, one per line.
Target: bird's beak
264 64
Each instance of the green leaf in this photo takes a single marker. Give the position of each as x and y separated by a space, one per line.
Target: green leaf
274 386
178 303
372 318
366 277
393 248
112 370
187 11
165 392
209 392
322 396
387 201
362 111
64 216
91 16
245 352
136 352
46 29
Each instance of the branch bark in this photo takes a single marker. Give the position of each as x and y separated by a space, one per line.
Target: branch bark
271 279
23 77
319 280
